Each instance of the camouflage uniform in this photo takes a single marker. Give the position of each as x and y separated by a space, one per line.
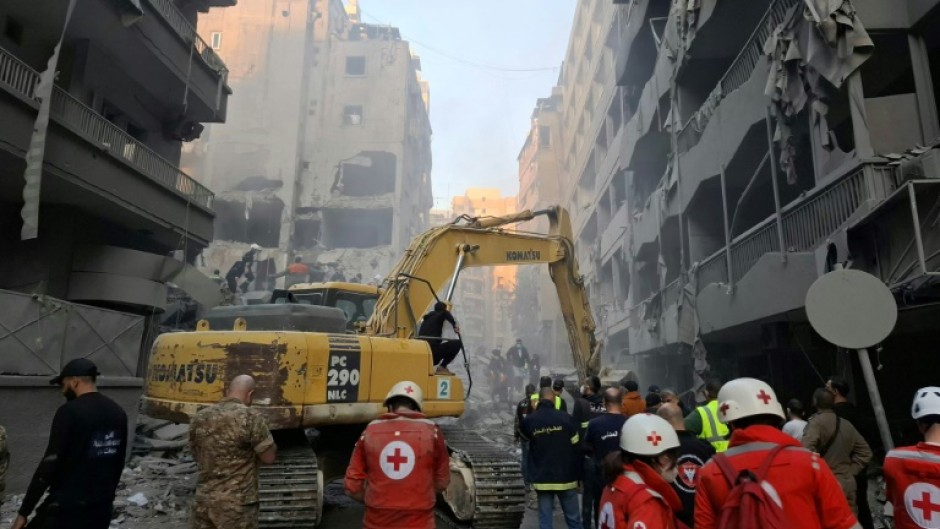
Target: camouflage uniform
4 461
226 440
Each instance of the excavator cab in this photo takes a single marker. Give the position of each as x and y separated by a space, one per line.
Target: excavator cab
357 301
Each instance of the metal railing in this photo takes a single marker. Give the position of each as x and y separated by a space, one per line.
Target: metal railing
806 223
17 75
188 33
742 67
84 121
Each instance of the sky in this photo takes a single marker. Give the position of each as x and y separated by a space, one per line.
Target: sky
472 52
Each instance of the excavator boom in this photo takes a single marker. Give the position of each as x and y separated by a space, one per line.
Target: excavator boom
436 258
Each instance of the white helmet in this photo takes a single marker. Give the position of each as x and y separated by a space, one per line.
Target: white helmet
647 435
926 402
746 397
407 389
254 247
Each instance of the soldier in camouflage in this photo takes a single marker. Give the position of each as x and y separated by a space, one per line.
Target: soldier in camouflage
4 461
229 440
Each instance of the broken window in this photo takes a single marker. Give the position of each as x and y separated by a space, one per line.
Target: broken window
352 115
256 221
306 233
369 173
545 136
357 228
355 65
890 95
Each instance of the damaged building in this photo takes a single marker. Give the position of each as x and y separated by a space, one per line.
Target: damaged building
328 155
116 220
723 154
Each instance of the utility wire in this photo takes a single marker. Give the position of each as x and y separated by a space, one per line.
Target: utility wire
462 60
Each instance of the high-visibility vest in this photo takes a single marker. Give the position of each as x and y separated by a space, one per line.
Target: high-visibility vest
713 431
535 401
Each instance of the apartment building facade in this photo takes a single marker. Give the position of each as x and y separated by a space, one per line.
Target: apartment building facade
709 187
117 217
484 295
327 156
540 177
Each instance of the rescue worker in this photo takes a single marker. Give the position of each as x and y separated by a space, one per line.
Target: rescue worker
241 268
4 461
633 402
912 473
587 405
316 274
496 372
297 272
546 382
838 442
601 440
517 363
809 493
704 421
229 441
431 330
692 456
554 460
638 494
84 459
523 409
535 368
399 464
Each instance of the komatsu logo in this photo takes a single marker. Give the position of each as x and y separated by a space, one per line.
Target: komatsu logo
197 373
527 255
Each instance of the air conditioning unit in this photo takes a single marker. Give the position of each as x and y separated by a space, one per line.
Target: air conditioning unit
182 129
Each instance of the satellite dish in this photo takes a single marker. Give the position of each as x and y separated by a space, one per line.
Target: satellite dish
851 309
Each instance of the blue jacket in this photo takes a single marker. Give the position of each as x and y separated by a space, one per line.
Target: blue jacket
554 460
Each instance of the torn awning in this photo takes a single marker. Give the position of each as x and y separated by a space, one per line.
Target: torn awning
819 40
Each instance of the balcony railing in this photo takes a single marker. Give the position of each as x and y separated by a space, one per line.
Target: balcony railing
806 223
21 80
742 67
188 33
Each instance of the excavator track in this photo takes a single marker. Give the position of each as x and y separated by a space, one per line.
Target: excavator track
497 496
291 490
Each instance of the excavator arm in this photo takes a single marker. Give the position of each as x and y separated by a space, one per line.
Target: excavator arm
435 259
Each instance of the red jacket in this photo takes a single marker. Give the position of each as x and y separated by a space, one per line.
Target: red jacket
912 482
400 464
639 498
809 491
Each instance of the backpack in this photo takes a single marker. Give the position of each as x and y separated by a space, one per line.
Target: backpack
752 502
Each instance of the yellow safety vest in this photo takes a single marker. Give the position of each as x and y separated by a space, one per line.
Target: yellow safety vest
535 401
713 431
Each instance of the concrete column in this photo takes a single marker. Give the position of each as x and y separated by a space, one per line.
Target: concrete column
926 104
860 131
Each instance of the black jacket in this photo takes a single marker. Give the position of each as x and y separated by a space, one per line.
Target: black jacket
432 326
554 460
585 409
693 454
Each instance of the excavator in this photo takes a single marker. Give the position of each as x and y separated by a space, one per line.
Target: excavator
323 366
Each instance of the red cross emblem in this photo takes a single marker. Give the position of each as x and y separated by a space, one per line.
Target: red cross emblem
409 390
926 506
654 438
397 459
724 408
764 397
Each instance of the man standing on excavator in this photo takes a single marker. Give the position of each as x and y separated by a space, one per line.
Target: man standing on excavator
432 329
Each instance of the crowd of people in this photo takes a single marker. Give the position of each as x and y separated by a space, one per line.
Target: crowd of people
741 459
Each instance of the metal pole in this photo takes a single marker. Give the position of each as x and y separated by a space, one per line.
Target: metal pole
875 397
918 238
773 177
724 217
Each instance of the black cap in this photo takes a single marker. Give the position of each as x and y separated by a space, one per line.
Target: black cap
79 367
558 384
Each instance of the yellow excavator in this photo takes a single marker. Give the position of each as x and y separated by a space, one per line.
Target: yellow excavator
325 355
